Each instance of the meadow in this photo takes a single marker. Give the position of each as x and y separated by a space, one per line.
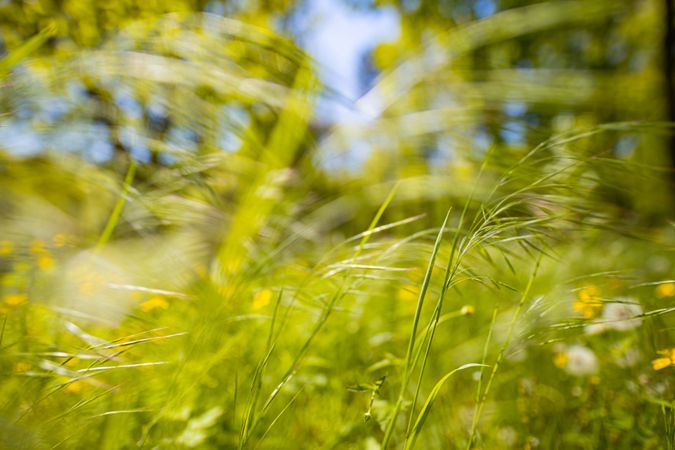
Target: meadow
296 291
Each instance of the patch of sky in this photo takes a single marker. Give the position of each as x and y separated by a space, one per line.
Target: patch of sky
97 146
52 109
515 109
232 119
228 140
223 8
23 109
183 139
19 138
137 144
410 5
513 132
156 109
234 113
100 151
484 8
167 159
67 138
444 152
75 90
482 141
625 147
141 153
337 36
91 140
216 7
126 101
356 155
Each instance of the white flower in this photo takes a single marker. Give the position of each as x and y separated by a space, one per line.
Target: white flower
581 361
621 316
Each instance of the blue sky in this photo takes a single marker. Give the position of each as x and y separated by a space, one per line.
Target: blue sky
338 36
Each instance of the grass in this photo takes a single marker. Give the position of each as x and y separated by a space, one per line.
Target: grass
255 299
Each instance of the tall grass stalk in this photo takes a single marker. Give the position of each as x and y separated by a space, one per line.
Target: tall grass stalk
500 356
325 314
408 362
119 205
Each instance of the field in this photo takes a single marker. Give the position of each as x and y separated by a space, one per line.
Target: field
296 291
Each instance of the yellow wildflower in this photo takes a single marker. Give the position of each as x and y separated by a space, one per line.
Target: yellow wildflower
661 363
45 261
468 310
15 299
154 303
588 302
560 359
665 290
74 387
667 359
409 293
6 247
262 298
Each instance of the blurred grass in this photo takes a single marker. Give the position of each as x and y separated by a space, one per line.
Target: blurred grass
257 299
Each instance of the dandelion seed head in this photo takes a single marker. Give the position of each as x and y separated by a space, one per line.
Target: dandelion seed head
622 316
581 361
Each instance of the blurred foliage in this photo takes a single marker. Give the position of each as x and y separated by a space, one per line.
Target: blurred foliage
515 72
191 258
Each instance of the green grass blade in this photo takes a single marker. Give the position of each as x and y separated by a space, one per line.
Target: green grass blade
426 409
411 342
119 206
